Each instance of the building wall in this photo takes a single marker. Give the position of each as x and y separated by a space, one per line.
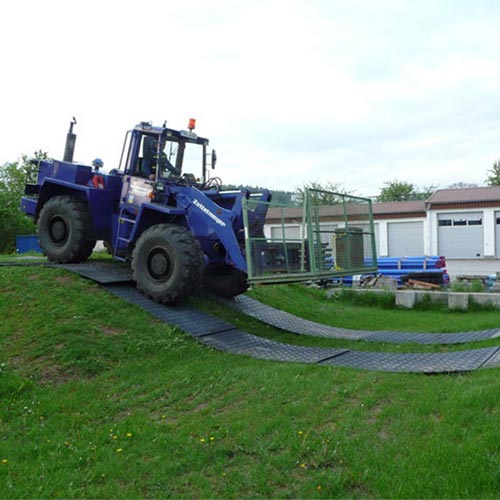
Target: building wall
490 230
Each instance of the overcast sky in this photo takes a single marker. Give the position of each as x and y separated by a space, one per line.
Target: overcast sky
287 91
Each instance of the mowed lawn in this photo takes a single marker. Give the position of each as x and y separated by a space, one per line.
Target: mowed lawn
100 400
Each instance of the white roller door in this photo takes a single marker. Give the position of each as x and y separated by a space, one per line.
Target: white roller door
497 235
289 233
460 235
405 238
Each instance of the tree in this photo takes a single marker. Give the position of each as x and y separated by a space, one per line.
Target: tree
13 177
323 194
494 178
463 185
404 191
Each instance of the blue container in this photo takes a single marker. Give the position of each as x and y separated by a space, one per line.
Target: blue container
28 243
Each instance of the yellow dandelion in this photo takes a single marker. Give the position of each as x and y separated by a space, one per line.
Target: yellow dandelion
4 461
202 440
212 438
318 487
129 434
163 416
300 433
119 450
302 466
115 437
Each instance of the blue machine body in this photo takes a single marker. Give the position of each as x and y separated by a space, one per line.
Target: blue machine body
129 200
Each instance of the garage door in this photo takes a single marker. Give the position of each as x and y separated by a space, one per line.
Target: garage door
288 233
497 235
460 235
405 238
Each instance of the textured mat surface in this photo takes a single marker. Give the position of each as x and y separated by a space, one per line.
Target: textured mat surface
223 336
102 272
443 362
294 324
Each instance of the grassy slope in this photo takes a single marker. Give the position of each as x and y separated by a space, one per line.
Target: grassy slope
97 399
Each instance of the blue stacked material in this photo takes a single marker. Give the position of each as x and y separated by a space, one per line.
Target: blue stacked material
429 268
28 243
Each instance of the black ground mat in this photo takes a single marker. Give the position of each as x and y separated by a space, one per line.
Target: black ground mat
294 324
238 342
493 361
224 337
186 318
103 272
442 362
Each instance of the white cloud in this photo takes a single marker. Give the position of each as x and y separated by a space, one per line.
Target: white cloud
287 91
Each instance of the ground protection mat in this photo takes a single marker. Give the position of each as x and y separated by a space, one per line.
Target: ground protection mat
294 324
225 337
102 272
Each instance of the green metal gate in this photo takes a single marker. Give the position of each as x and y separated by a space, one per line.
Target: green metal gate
328 235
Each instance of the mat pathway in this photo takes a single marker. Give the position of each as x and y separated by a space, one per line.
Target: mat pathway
223 336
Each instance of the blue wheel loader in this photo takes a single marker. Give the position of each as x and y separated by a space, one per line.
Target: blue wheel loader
176 229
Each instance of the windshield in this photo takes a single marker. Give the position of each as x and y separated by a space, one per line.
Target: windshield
157 157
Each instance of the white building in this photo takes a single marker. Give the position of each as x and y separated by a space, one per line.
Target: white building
456 223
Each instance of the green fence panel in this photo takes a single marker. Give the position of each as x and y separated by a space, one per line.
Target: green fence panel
328 235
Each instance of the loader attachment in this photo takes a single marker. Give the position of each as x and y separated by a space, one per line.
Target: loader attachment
326 236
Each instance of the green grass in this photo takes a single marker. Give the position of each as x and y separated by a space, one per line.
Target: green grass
100 400
375 314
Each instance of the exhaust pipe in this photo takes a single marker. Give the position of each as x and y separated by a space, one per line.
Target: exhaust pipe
69 149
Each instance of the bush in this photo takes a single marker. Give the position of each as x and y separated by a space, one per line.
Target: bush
13 222
384 300
475 286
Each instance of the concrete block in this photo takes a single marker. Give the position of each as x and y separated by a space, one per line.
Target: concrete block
458 300
434 296
486 298
406 298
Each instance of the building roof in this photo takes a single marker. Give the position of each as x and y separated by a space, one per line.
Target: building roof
400 207
441 198
353 210
466 195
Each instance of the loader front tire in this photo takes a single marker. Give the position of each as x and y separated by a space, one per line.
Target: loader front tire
64 230
167 263
224 281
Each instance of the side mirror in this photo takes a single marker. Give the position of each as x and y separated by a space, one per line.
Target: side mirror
214 158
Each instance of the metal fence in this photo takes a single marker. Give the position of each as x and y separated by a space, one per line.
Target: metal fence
327 235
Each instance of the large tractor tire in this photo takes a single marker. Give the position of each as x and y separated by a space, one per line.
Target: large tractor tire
63 230
167 263
224 281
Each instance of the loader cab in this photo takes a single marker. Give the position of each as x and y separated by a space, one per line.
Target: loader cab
161 153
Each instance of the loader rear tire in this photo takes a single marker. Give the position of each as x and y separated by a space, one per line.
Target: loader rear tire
167 263
224 281
64 230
